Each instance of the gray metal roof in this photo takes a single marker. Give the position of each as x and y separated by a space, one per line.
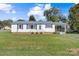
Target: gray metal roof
39 22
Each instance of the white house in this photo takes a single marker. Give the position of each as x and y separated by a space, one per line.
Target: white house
38 27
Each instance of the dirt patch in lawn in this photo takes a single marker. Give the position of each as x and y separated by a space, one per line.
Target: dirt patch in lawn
74 51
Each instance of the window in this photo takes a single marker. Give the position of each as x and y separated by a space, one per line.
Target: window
48 25
20 26
40 27
31 26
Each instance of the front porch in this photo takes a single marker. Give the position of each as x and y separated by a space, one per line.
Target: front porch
61 29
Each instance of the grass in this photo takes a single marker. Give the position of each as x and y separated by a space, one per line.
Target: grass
38 44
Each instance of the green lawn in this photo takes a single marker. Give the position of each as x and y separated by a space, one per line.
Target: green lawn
40 44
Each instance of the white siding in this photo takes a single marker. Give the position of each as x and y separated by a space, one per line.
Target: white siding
22 30
50 29
43 29
13 28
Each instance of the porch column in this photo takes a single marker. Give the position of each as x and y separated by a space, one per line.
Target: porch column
65 28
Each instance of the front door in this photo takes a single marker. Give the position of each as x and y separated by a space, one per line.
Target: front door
31 26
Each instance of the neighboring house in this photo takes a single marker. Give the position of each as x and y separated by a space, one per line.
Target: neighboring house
38 27
7 28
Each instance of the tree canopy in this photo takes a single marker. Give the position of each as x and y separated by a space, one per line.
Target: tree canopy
74 17
32 18
7 22
52 14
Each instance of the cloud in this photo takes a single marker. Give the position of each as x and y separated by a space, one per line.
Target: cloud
47 6
7 8
35 11
76 3
14 18
13 11
38 10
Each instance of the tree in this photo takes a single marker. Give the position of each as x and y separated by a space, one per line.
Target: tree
32 18
47 14
7 22
74 17
52 14
54 18
63 18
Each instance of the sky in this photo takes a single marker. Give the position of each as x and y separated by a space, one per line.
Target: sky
17 11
